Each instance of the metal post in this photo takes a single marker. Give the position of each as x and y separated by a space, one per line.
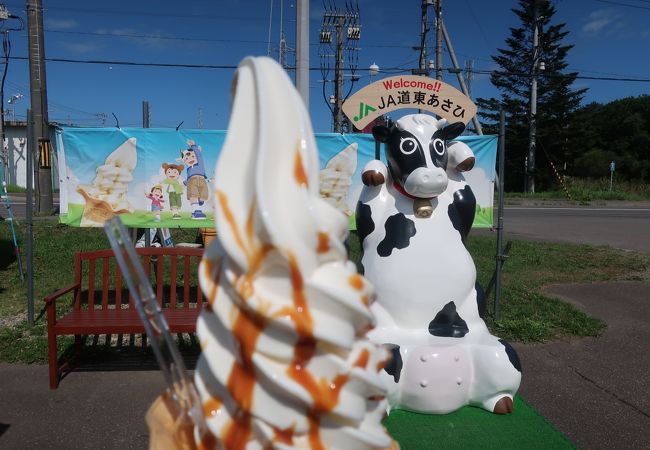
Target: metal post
145 114
461 80
302 50
502 147
145 124
28 211
338 83
439 40
38 89
532 136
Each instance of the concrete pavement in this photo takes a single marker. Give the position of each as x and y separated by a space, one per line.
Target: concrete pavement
594 390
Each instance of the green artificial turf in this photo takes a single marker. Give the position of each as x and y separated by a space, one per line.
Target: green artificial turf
474 428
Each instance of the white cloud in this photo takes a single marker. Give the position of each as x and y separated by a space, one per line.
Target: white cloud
602 20
61 24
80 47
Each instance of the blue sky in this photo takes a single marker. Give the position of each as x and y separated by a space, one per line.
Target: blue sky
610 38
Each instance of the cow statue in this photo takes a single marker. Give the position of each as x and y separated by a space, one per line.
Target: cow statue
413 218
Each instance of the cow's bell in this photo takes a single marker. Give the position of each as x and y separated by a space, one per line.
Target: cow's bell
422 208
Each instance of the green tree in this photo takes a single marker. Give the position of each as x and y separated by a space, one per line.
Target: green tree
557 100
617 131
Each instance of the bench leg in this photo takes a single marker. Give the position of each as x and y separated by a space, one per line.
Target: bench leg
52 359
78 341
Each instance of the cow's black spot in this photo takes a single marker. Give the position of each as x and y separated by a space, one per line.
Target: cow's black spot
399 231
462 210
365 225
448 323
404 154
394 366
512 355
481 302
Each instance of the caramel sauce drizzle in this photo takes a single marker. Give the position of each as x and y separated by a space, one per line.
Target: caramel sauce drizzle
324 393
246 331
248 327
362 360
356 281
216 278
299 170
323 242
211 407
230 217
283 436
208 441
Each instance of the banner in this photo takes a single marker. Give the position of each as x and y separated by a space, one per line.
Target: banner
157 178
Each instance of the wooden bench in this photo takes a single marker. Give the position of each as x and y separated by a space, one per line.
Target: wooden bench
102 304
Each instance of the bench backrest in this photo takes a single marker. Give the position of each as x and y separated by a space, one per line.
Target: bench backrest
173 272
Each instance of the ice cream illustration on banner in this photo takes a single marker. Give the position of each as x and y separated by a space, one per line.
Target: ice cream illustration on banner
285 361
106 196
336 178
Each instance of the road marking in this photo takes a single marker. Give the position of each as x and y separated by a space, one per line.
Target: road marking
558 208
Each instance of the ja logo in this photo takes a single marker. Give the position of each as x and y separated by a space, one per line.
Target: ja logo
364 109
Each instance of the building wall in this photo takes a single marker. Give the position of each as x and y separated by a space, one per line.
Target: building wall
16 144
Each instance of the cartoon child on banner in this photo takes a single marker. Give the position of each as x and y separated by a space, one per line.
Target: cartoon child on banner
195 179
157 200
174 188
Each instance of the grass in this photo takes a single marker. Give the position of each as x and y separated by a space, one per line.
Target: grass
588 189
526 313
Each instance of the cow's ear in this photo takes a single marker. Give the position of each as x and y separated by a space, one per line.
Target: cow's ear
451 131
381 133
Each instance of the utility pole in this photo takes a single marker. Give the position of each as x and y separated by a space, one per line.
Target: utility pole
532 135
459 75
302 50
338 76
439 40
38 91
423 39
342 21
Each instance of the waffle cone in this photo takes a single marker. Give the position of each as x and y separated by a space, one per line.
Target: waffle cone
168 430
96 210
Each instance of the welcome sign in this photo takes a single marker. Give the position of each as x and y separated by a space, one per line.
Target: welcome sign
411 91
157 177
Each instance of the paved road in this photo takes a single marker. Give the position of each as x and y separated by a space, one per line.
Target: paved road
18 205
619 227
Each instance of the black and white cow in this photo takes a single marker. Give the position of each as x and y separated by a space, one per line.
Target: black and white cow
413 218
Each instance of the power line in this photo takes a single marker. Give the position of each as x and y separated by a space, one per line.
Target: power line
124 12
395 70
153 36
623 4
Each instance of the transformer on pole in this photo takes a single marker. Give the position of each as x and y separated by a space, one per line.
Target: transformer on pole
345 25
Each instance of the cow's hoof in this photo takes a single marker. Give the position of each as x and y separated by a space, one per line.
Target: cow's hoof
372 178
503 406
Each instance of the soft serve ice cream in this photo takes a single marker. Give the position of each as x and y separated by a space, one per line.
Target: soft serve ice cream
285 362
106 196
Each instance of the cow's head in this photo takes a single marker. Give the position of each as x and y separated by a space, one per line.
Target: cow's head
416 149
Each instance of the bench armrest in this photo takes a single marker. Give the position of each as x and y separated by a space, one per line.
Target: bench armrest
50 299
